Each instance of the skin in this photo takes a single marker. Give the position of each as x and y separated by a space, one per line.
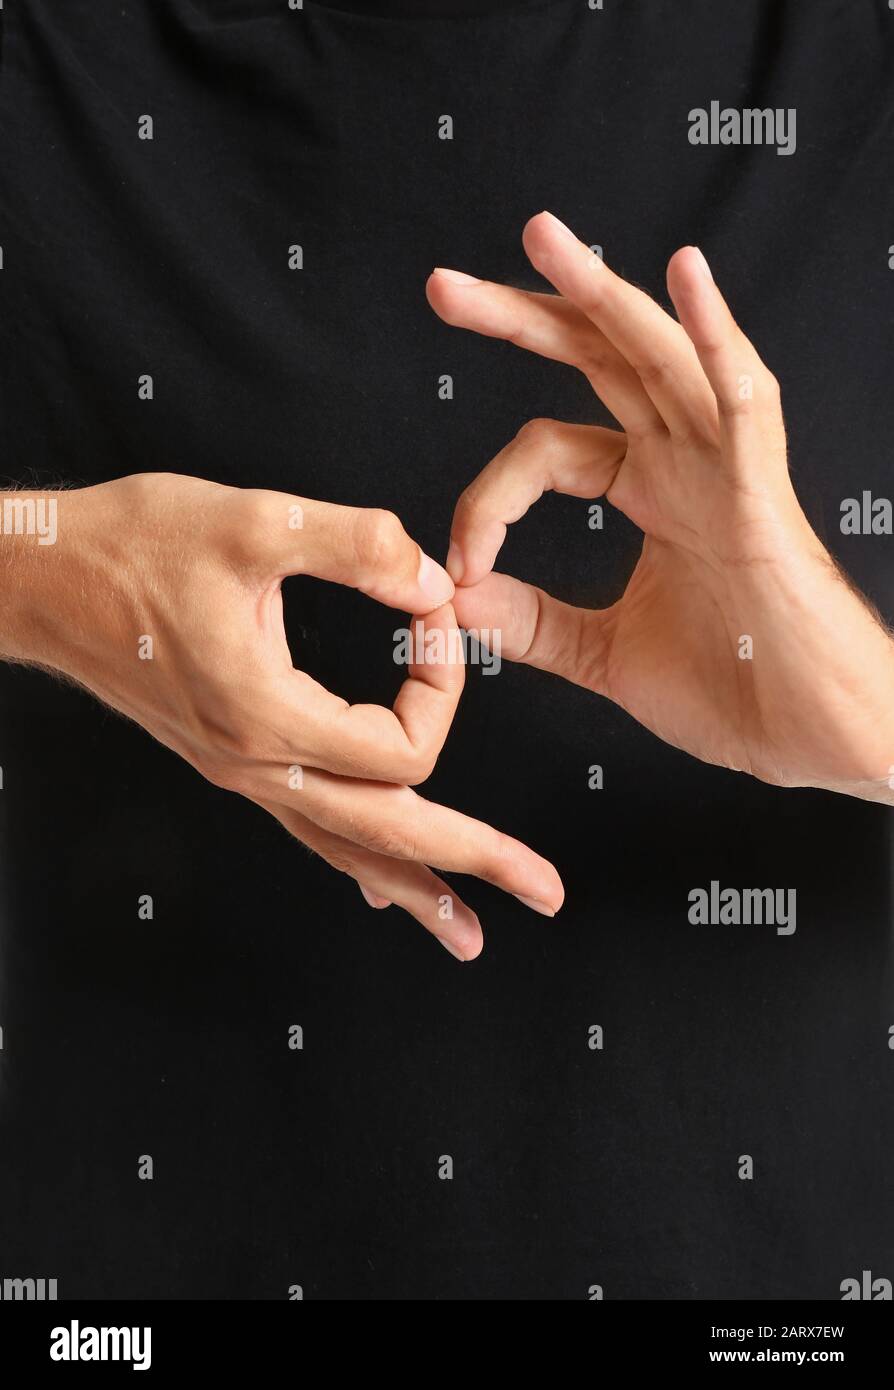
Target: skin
700 466
199 567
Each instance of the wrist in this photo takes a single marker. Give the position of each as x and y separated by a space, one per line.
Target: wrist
29 554
47 575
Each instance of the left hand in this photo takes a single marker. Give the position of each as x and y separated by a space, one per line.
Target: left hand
728 553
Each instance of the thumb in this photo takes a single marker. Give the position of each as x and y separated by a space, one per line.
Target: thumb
532 627
364 548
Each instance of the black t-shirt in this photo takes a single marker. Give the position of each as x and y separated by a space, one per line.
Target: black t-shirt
574 1165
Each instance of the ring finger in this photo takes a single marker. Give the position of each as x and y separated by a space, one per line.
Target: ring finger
411 886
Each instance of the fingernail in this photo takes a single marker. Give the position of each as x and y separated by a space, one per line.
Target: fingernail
455 566
458 277
703 263
373 898
434 580
449 946
560 225
537 906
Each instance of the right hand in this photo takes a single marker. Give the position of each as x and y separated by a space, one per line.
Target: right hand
197 567
736 638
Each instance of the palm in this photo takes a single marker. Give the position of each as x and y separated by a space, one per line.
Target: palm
708 646
668 661
671 656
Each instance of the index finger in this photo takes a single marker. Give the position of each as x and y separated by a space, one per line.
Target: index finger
545 455
551 327
400 744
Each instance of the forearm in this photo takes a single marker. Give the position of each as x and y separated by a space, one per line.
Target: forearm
29 572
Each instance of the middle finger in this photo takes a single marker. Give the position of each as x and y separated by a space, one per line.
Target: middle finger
397 822
655 345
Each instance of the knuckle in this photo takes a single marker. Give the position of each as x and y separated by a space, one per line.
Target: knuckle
466 507
389 839
341 860
496 858
380 539
597 362
740 391
732 408
419 766
654 371
253 520
539 433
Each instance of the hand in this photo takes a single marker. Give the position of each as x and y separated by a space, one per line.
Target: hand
197 568
737 638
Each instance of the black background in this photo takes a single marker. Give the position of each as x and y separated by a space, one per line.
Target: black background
169 1038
